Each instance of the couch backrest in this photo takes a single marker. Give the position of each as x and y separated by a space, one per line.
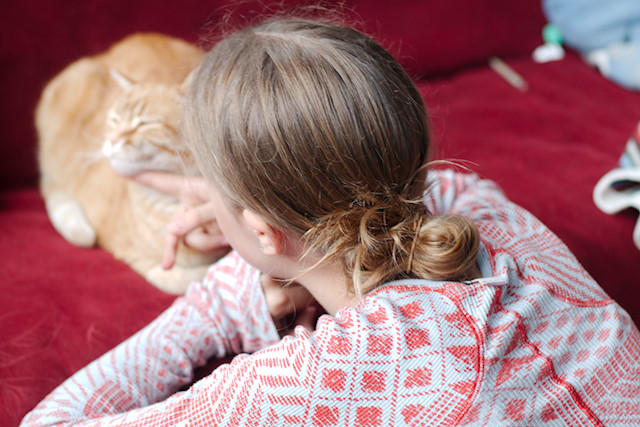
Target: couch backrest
430 37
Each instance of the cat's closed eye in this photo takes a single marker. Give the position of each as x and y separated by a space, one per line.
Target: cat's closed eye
142 122
113 118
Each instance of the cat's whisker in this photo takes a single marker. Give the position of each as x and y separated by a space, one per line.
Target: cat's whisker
90 157
93 140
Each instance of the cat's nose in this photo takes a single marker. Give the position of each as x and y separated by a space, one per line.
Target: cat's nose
109 148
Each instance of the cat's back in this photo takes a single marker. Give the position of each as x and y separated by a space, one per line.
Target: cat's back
148 57
69 115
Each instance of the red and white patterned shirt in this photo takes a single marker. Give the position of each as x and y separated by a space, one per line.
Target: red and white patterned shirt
536 341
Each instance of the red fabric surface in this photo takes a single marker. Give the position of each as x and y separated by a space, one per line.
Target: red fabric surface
62 306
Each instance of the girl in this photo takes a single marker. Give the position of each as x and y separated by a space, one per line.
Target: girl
446 303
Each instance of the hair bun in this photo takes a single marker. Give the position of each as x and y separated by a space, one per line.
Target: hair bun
441 247
446 249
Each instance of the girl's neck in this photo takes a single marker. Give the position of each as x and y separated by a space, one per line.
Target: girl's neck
327 282
328 285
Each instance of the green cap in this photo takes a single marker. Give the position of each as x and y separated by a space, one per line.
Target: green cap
552 34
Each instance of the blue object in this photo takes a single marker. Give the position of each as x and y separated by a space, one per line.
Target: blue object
593 24
606 32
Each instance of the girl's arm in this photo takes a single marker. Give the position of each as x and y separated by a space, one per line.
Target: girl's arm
227 314
512 236
370 365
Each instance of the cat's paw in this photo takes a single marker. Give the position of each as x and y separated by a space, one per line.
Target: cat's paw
177 279
69 220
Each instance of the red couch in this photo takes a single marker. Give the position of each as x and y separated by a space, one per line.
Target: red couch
63 306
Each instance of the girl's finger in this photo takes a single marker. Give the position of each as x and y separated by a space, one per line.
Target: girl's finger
162 181
204 241
191 189
307 319
185 221
215 244
170 248
197 228
284 300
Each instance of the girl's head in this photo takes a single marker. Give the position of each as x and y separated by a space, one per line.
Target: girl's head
315 128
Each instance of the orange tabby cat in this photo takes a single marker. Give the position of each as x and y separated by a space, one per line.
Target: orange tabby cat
92 120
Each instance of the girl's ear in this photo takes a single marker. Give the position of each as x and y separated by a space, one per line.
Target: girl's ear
269 238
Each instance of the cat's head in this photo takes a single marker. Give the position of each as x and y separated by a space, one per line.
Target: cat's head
142 129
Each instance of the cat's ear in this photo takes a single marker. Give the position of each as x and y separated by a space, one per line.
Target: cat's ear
186 83
125 83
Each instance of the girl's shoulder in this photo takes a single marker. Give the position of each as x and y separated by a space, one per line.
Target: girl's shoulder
403 325
391 350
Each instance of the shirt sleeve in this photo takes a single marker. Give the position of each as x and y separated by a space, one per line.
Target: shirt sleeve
369 365
226 314
463 194
512 239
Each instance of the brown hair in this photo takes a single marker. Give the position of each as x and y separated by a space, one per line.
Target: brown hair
315 127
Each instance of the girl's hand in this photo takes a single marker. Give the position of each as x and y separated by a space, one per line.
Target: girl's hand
194 223
289 305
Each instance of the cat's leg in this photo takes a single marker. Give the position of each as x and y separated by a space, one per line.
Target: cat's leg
177 279
69 219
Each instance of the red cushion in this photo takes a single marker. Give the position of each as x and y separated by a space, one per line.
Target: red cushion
61 306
